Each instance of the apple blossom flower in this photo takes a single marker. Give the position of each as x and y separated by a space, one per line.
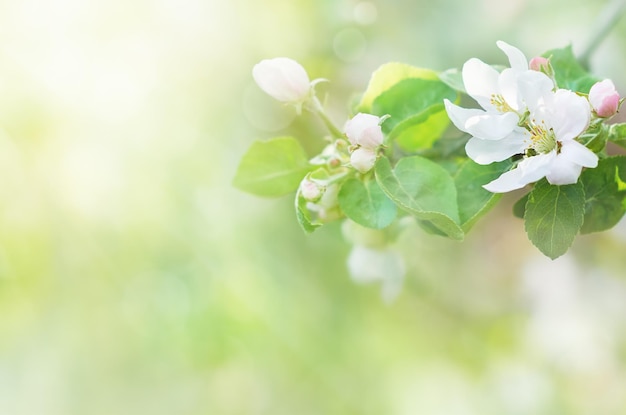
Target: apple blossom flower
604 98
283 79
522 114
364 130
548 144
505 97
363 159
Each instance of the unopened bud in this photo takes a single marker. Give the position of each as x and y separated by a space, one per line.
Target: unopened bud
539 64
604 98
310 190
363 159
364 130
283 79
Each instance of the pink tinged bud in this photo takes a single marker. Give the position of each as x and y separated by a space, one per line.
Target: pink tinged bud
604 98
364 130
283 79
539 64
310 190
363 159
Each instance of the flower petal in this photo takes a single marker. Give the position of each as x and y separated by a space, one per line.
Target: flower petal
527 171
481 124
578 153
563 171
533 86
516 58
481 82
492 126
567 113
489 151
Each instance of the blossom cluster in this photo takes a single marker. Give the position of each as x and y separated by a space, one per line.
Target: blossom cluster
525 114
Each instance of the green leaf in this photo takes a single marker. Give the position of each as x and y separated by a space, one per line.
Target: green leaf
418 116
554 215
304 216
568 72
365 203
473 200
421 130
519 208
424 189
272 168
387 76
454 79
605 194
617 134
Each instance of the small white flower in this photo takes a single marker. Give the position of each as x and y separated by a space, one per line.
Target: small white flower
604 98
523 115
283 79
367 265
364 130
363 159
549 146
504 96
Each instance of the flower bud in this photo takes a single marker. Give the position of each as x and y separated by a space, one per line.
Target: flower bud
364 130
604 98
363 159
283 79
310 190
539 64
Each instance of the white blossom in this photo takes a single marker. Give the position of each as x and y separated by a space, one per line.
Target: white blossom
522 114
283 79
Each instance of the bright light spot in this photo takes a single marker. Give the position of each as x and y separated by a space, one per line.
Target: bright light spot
350 45
365 13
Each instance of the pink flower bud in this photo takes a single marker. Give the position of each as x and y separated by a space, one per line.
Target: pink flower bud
283 79
363 159
310 190
364 130
539 64
604 98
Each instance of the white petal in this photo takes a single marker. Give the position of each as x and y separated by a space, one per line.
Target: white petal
459 115
516 58
489 151
536 167
527 171
533 86
578 153
482 124
567 113
563 171
511 180
481 81
492 126
509 90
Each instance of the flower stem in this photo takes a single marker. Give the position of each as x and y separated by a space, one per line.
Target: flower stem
606 21
319 110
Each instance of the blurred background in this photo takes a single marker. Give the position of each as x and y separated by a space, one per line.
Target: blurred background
134 279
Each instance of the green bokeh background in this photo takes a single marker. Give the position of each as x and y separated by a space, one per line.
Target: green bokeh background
135 280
